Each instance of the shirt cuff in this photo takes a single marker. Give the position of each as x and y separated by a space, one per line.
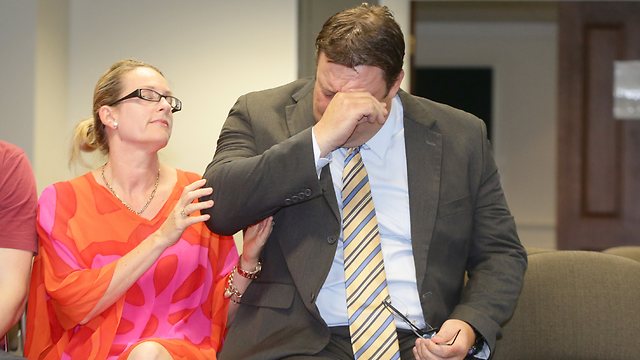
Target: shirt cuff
319 161
484 352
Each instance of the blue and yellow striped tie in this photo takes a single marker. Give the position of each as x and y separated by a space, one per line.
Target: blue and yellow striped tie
373 331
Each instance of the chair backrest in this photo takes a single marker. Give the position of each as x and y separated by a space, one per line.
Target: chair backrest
575 305
631 252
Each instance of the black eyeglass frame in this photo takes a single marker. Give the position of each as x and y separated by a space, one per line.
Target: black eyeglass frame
425 334
137 93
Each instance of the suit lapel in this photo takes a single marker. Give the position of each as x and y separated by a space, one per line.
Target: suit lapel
424 160
299 115
298 119
304 258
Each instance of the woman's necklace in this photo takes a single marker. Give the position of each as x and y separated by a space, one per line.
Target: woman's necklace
153 193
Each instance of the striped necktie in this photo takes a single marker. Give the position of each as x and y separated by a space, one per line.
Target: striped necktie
373 331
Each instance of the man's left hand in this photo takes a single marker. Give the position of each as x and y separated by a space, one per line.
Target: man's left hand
442 346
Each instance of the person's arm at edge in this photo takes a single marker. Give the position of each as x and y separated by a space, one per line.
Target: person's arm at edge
18 208
15 268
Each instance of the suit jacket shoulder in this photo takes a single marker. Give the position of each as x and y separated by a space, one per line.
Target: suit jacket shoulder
278 97
437 116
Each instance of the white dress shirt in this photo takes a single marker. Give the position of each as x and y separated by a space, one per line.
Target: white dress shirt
384 157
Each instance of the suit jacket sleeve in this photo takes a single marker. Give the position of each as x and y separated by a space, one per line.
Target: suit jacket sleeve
460 222
496 261
259 165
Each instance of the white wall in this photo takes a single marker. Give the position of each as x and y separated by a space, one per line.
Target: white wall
53 52
51 132
17 78
211 52
523 57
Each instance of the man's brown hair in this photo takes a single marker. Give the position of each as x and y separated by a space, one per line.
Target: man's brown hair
364 35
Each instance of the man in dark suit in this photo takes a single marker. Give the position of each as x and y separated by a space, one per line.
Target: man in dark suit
441 211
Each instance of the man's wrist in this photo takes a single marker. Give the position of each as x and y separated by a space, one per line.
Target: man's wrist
318 148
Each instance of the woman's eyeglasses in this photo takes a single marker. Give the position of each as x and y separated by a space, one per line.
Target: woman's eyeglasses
425 334
154 96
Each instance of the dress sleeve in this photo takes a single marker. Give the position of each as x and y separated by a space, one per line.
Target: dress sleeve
74 288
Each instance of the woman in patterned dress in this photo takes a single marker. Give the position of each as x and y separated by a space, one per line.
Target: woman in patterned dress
126 267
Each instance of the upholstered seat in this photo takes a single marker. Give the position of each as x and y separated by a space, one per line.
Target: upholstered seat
575 305
631 252
537 250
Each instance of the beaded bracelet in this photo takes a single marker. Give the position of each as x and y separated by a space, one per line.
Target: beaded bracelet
251 275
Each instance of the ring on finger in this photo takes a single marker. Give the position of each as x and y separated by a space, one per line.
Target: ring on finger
183 213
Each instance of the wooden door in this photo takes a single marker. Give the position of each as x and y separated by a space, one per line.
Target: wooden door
599 156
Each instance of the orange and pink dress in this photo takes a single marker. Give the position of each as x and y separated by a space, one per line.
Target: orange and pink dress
178 302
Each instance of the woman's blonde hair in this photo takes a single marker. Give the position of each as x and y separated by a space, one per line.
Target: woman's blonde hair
90 134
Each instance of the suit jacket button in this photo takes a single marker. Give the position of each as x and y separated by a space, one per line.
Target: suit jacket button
332 239
295 198
307 192
287 201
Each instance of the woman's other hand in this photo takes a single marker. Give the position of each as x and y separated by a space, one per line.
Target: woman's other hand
255 237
